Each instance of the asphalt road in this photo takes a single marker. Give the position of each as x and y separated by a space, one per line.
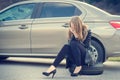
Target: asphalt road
32 68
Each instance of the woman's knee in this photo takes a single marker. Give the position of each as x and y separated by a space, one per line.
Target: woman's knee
66 47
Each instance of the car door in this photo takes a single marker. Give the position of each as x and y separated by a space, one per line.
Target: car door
50 30
15 29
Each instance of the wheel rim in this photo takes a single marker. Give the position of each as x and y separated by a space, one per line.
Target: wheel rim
95 55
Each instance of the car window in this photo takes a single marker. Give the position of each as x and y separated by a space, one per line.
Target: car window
18 12
54 9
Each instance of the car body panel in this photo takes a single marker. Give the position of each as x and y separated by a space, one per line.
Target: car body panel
13 39
48 35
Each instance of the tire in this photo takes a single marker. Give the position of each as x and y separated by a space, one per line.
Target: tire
99 51
3 58
97 69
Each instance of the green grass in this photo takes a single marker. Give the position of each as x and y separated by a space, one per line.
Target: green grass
114 59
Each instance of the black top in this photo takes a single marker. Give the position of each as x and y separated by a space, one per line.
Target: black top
73 39
85 43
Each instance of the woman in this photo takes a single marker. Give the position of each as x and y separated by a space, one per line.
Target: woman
77 32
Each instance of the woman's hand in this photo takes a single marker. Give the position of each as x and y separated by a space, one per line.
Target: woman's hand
71 30
74 32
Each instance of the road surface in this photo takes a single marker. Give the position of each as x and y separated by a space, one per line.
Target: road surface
32 68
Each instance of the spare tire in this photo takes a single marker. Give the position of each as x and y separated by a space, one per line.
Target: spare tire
89 70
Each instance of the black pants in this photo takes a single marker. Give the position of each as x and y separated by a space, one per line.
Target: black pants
75 50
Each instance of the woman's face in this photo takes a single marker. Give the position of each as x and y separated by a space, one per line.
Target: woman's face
72 26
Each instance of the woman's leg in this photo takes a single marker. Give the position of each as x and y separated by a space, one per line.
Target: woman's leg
61 55
78 52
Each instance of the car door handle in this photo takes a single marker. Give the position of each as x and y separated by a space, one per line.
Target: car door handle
23 27
65 25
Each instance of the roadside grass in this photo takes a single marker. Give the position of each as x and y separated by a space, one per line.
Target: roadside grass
114 59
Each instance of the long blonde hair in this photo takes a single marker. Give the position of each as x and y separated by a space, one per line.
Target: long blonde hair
80 28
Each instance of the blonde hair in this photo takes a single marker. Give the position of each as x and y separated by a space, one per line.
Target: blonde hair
80 28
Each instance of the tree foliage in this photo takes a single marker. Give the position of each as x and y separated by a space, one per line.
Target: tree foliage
107 1
111 6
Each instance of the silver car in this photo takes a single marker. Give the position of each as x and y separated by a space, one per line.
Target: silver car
39 28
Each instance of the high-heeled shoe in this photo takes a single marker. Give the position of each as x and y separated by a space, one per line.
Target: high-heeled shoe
52 72
74 74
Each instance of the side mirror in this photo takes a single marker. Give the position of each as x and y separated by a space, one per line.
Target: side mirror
7 18
1 22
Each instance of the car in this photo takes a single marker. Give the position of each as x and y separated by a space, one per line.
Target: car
39 28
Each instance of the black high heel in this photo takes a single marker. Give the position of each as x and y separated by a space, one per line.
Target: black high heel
52 72
75 74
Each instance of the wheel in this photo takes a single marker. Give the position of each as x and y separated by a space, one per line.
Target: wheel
89 70
3 58
99 51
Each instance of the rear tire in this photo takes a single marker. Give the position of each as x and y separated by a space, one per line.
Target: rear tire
99 51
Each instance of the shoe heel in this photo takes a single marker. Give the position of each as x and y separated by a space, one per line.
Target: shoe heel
53 75
52 72
74 74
